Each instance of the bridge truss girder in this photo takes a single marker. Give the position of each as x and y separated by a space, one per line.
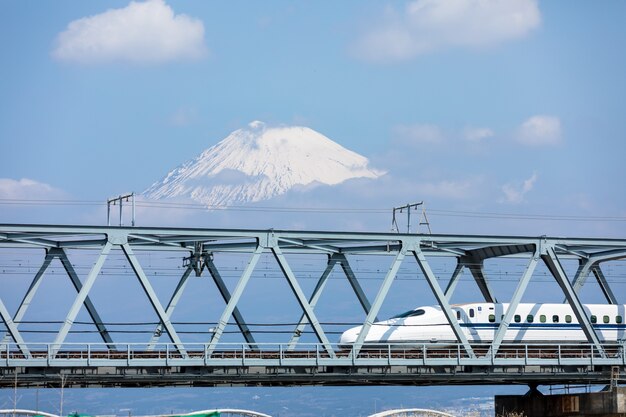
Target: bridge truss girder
470 252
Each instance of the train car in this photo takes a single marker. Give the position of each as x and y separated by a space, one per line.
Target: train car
531 323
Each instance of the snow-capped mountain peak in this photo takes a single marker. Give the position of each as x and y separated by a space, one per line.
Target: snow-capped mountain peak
259 162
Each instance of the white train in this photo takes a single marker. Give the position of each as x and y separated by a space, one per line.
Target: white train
531 323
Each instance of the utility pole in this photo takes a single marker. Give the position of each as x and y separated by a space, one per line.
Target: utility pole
423 219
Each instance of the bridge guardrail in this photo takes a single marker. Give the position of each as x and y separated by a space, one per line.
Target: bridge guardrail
273 354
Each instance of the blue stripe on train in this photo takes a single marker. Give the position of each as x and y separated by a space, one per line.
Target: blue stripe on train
544 326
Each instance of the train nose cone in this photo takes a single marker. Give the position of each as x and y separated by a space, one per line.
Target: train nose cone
349 336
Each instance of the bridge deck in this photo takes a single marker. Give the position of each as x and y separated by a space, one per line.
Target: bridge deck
96 365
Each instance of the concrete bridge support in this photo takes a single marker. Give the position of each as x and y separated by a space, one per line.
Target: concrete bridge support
611 403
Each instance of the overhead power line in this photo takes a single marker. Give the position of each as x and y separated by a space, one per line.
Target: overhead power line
161 205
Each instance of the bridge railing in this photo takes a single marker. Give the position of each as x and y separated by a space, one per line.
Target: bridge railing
276 354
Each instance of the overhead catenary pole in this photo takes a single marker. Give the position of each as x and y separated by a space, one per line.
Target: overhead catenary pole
120 199
408 208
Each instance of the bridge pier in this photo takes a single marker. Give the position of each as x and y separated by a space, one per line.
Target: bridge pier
611 403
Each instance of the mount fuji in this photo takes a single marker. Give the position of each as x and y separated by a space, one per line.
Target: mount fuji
259 162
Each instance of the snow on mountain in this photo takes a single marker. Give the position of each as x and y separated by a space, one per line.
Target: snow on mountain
259 162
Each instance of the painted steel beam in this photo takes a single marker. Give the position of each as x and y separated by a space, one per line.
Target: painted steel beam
604 285
304 304
587 264
234 299
154 300
298 242
80 298
556 269
515 300
237 316
12 329
91 309
584 268
477 268
354 283
29 240
454 279
356 242
28 297
442 300
171 306
54 230
315 296
378 301
152 239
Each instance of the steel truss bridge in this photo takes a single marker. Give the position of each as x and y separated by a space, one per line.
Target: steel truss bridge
109 362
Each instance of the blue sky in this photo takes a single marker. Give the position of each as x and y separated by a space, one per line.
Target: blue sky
513 108
516 107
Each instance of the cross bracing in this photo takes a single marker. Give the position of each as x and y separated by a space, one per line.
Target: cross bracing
201 250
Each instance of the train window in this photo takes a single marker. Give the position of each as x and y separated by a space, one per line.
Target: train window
458 315
555 319
542 318
492 318
593 319
530 318
568 319
605 319
410 313
618 319
480 308
517 318
471 311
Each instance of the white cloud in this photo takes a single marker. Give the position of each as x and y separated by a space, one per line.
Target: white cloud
419 134
449 189
146 32
27 189
514 194
428 25
477 134
540 130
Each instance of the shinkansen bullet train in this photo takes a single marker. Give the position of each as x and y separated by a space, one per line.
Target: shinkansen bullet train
531 323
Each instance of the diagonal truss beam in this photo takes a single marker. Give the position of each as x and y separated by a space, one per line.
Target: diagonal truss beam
454 279
587 264
221 286
319 287
354 283
556 269
604 285
171 306
234 299
515 300
378 301
219 282
315 296
477 268
304 304
12 329
154 300
584 268
91 309
474 260
592 265
69 269
442 300
28 298
80 298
